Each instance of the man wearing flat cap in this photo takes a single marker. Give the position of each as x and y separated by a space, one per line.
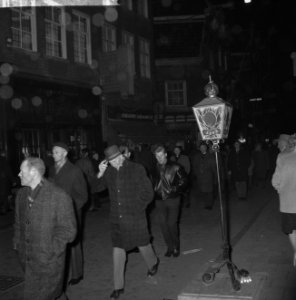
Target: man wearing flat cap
70 178
130 191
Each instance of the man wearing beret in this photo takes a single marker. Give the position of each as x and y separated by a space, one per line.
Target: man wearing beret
130 191
70 178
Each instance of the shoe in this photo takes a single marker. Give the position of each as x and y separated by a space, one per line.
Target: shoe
169 253
116 293
208 207
176 252
74 281
154 269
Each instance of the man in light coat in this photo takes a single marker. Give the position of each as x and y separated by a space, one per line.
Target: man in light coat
44 224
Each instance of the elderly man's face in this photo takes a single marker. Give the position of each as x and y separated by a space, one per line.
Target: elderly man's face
58 154
117 162
26 175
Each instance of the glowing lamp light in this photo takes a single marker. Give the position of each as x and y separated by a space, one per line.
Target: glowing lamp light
36 101
96 90
111 14
16 103
6 69
82 113
213 115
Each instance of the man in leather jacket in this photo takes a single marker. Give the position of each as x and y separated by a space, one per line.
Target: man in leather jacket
169 181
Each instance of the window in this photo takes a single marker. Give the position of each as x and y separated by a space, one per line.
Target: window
143 8
30 142
129 41
55 32
175 92
144 58
82 41
23 28
109 38
128 4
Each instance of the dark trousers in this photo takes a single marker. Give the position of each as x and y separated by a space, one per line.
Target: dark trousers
74 265
168 215
208 198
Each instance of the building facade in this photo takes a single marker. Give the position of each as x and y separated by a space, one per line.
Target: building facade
69 73
180 69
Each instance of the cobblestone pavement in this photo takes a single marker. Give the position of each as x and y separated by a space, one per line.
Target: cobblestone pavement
257 242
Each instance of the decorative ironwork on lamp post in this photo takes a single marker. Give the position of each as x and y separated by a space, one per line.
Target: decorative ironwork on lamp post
213 116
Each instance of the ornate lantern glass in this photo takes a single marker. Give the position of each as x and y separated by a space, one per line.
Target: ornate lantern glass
213 115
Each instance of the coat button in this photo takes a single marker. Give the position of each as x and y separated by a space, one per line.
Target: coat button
28 222
120 216
27 241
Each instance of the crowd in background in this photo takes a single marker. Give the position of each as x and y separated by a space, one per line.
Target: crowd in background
242 167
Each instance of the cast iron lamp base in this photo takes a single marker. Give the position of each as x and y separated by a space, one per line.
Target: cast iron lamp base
237 276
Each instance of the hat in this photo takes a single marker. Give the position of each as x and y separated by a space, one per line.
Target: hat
112 152
61 145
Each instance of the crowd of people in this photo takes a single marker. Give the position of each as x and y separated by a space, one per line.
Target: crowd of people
56 193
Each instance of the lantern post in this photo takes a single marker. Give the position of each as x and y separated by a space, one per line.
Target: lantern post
213 116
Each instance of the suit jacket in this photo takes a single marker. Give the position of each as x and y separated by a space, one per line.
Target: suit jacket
70 178
43 227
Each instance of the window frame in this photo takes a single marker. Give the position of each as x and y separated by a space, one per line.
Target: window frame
88 59
127 37
33 32
145 57
128 4
184 92
62 28
143 8
106 42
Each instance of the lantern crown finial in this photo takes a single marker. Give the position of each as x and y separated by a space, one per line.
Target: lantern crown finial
211 89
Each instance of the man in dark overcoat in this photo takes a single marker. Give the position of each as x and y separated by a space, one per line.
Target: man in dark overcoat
70 178
204 172
44 223
238 163
130 191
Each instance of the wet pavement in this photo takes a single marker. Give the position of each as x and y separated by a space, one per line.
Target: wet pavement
256 238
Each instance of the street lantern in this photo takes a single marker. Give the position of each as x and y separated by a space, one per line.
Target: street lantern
213 116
